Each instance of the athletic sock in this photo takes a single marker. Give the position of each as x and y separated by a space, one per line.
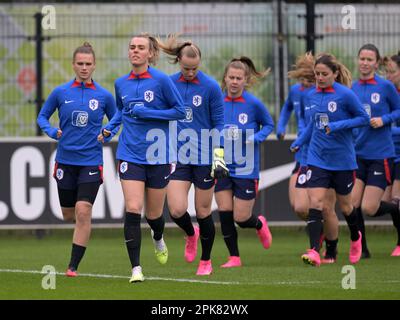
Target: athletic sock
185 223
252 222
207 235
229 232
315 227
331 248
353 225
77 253
133 237
157 225
361 227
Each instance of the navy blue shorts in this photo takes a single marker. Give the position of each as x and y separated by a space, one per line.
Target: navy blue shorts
68 177
375 172
341 181
155 176
302 177
245 189
296 168
200 176
396 171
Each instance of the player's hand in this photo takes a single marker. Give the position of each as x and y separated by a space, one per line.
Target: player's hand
280 135
104 134
327 130
294 147
376 122
59 133
219 169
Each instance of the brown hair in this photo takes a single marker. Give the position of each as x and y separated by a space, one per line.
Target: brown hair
153 46
250 71
85 48
303 68
178 49
344 75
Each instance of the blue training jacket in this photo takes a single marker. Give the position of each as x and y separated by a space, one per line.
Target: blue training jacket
146 103
338 108
242 149
204 107
81 109
380 99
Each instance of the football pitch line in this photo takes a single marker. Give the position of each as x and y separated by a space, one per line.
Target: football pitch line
264 283
110 276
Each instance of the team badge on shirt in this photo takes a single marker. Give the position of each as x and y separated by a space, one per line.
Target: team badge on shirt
59 174
93 104
149 96
243 118
196 100
123 167
375 97
332 106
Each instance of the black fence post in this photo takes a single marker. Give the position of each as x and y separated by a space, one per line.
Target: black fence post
310 26
39 67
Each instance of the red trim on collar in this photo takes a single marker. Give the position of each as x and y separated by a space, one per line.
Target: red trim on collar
367 81
328 89
195 80
238 99
143 75
87 85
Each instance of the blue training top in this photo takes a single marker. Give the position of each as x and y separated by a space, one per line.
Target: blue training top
81 109
242 147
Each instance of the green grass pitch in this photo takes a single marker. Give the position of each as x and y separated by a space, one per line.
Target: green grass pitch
277 273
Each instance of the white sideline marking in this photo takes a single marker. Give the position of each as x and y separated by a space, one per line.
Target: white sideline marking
122 277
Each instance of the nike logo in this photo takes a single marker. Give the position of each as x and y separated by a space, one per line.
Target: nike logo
249 191
93 173
207 180
68 101
349 185
123 97
376 173
126 241
166 177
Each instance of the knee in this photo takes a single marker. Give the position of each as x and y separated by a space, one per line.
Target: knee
369 211
83 213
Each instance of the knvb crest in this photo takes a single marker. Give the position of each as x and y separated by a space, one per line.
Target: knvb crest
375 97
149 96
93 104
243 118
332 106
197 100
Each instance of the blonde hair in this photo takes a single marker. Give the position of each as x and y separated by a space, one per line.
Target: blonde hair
173 47
153 46
303 67
344 74
85 48
246 64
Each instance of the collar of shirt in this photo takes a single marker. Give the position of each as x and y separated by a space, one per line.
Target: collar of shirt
327 89
194 80
143 75
87 85
238 99
367 81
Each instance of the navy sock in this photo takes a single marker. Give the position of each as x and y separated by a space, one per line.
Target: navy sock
207 235
133 237
185 223
353 225
315 227
77 253
252 222
361 227
157 225
331 248
229 232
